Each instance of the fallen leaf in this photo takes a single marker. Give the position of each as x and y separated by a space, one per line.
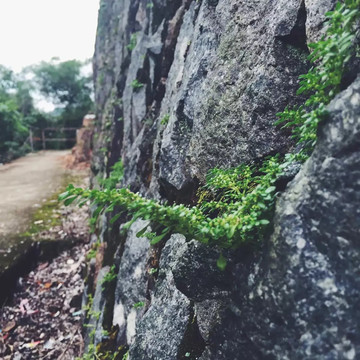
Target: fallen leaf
47 285
23 304
32 344
43 266
9 326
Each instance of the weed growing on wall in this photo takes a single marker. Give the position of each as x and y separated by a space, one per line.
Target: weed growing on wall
329 56
136 84
133 41
109 277
236 205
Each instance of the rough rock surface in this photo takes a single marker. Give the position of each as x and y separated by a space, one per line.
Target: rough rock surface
133 290
183 86
170 310
302 297
220 89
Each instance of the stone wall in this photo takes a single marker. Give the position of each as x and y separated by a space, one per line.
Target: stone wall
214 73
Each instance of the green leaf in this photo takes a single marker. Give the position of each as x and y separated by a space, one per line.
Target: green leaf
264 222
128 224
70 200
142 231
114 218
157 239
138 305
97 212
221 262
270 189
63 196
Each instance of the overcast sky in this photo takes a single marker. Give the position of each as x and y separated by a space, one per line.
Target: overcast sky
36 30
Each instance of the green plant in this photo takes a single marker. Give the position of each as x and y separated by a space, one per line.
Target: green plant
93 251
136 84
91 254
138 305
105 333
149 5
330 56
153 271
110 276
165 119
115 176
133 41
242 216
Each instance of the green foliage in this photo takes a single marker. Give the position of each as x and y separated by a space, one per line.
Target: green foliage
236 205
245 215
93 251
64 84
61 83
14 110
136 84
153 271
109 277
330 56
115 176
164 121
133 41
138 305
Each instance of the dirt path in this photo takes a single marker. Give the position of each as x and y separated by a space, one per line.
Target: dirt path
24 184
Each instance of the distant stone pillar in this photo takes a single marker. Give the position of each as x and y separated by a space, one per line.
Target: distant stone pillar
82 149
31 140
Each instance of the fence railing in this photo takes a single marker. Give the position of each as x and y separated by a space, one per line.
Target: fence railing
44 138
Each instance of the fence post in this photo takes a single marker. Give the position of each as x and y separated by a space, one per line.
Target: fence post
31 140
43 139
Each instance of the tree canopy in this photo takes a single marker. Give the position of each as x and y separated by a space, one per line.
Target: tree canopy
65 85
60 83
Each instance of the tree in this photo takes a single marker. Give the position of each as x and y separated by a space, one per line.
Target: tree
64 84
13 131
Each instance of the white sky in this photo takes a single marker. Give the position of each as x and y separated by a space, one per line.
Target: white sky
36 30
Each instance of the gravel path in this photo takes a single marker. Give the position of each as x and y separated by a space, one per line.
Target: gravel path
25 183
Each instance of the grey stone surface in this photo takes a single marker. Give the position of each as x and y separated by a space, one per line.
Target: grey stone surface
196 278
131 283
161 330
221 70
316 11
304 295
97 311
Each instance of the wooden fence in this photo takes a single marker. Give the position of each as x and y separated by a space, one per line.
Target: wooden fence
44 138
